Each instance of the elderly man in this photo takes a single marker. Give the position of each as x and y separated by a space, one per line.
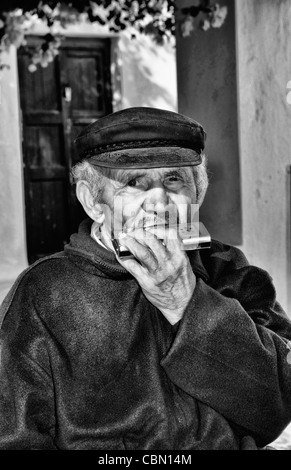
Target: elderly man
169 349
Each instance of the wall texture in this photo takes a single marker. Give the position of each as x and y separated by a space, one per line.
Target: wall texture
207 92
264 68
12 223
149 76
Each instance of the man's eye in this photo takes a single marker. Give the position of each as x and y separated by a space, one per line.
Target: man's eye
132 183
138 183
173 180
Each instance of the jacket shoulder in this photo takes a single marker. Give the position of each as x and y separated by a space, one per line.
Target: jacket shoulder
227 261
222 258
232 274
228 253
41 272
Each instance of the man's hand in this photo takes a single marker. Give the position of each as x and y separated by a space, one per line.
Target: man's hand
163 271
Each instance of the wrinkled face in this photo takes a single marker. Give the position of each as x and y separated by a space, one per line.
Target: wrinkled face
146 197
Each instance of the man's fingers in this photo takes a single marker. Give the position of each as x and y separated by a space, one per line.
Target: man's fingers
173 241
140 251
156 240
169 236
157 244
132 266
155 247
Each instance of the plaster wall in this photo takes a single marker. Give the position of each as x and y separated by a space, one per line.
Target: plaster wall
12 223
263 116
207 92
264 68
149 76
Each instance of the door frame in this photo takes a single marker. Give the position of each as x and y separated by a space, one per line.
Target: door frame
83 43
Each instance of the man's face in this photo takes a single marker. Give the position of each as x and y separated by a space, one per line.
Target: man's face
147 197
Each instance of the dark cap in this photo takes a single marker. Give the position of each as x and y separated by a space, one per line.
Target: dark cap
142 138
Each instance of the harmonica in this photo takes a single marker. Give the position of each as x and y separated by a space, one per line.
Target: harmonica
194 236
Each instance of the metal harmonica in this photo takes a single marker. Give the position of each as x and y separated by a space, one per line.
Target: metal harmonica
194 237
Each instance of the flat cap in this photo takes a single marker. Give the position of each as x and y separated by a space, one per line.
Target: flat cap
142 137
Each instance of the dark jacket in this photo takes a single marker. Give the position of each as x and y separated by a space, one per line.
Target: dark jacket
89 363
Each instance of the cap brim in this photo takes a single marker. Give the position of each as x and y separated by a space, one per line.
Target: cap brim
151 157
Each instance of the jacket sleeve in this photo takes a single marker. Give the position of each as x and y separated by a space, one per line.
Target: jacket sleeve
26 393
230 352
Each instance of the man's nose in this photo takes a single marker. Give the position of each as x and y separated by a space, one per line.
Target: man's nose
157 198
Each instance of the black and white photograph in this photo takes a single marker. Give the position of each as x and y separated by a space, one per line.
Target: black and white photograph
145 227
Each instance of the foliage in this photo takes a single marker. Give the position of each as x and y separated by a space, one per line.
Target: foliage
152 17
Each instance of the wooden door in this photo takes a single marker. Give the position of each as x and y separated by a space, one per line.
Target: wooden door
56 103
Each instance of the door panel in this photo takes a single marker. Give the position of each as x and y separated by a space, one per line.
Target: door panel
41 88
48 216
56 103
44 147
83 72
87 72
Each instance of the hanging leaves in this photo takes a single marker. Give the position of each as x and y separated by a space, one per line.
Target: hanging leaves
153 17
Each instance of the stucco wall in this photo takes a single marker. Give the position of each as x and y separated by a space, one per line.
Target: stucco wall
12 223
207 92
264 68
149 76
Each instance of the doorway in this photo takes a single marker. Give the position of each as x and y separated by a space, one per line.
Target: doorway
56 103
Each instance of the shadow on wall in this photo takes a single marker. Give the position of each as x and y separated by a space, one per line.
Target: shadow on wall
148 72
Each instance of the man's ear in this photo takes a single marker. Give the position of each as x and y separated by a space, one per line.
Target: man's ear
84 195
